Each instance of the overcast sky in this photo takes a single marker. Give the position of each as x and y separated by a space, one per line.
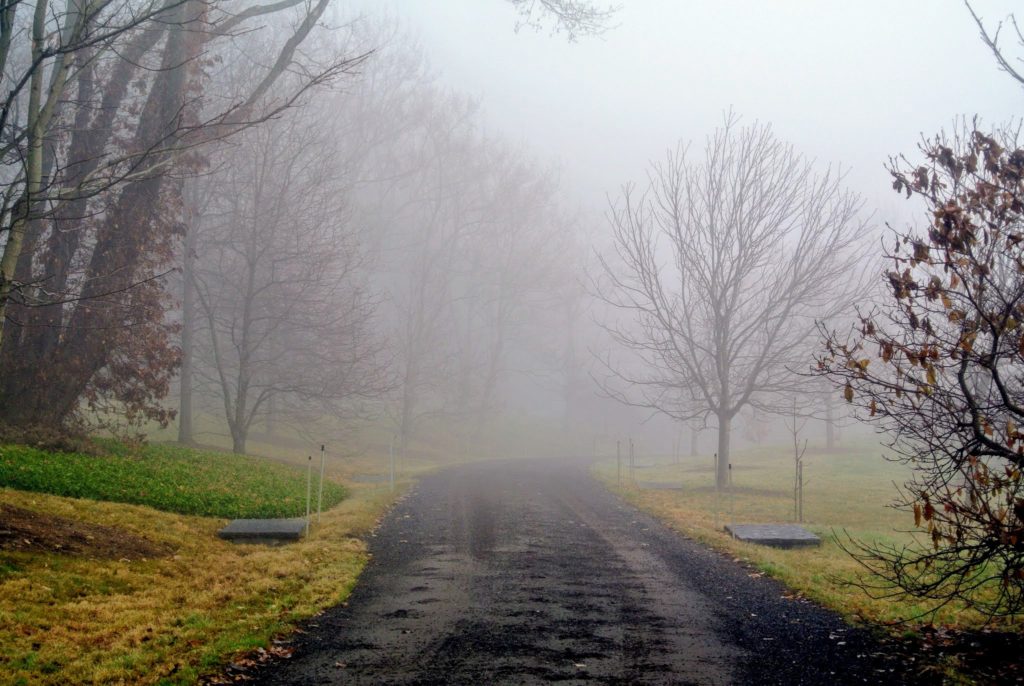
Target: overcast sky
845 82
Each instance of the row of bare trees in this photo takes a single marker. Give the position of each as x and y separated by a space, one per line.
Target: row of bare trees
209 152
374 250
475 256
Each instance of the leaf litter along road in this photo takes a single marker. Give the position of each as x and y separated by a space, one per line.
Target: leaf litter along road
530 572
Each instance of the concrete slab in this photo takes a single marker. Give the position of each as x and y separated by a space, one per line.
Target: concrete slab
269 531
775 535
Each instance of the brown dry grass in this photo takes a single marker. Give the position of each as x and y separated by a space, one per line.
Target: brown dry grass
76 619
847 493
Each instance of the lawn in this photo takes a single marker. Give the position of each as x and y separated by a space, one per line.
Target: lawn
168 478
131 593
847 493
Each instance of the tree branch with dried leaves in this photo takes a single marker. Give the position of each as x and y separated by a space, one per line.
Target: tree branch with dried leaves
939 368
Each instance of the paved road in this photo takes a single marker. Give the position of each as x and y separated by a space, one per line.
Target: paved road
530 572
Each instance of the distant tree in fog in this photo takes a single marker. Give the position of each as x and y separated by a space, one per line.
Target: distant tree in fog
511 259
467 240
574 17
285 316
479 253
720 268
939 366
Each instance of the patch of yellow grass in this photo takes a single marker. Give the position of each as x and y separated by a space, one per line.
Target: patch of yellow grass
76 620
845 493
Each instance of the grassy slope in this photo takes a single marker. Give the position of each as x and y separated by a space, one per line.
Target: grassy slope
167 478
845 493
67 619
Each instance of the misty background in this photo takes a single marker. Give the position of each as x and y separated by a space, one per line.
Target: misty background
849 86
417 239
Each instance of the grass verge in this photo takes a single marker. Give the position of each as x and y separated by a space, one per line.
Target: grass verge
846 493
101 618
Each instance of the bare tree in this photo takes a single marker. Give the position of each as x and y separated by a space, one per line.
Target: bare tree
721 267
515 256
197 197
278 278
795 424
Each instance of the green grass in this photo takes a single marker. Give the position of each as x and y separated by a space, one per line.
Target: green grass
166 477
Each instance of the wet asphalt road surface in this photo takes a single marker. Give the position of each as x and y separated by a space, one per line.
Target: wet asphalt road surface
526 572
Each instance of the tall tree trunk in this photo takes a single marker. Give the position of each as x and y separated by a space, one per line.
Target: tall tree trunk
238 437
489 389
270 422
239 424
36 126
408 408
188 307
569 381
724 430
694 434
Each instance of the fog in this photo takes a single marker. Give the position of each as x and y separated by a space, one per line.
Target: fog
849 84
430 223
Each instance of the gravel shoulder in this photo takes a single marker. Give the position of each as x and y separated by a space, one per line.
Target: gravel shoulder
531 572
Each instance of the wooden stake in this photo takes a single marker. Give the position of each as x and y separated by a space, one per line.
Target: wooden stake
320 496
